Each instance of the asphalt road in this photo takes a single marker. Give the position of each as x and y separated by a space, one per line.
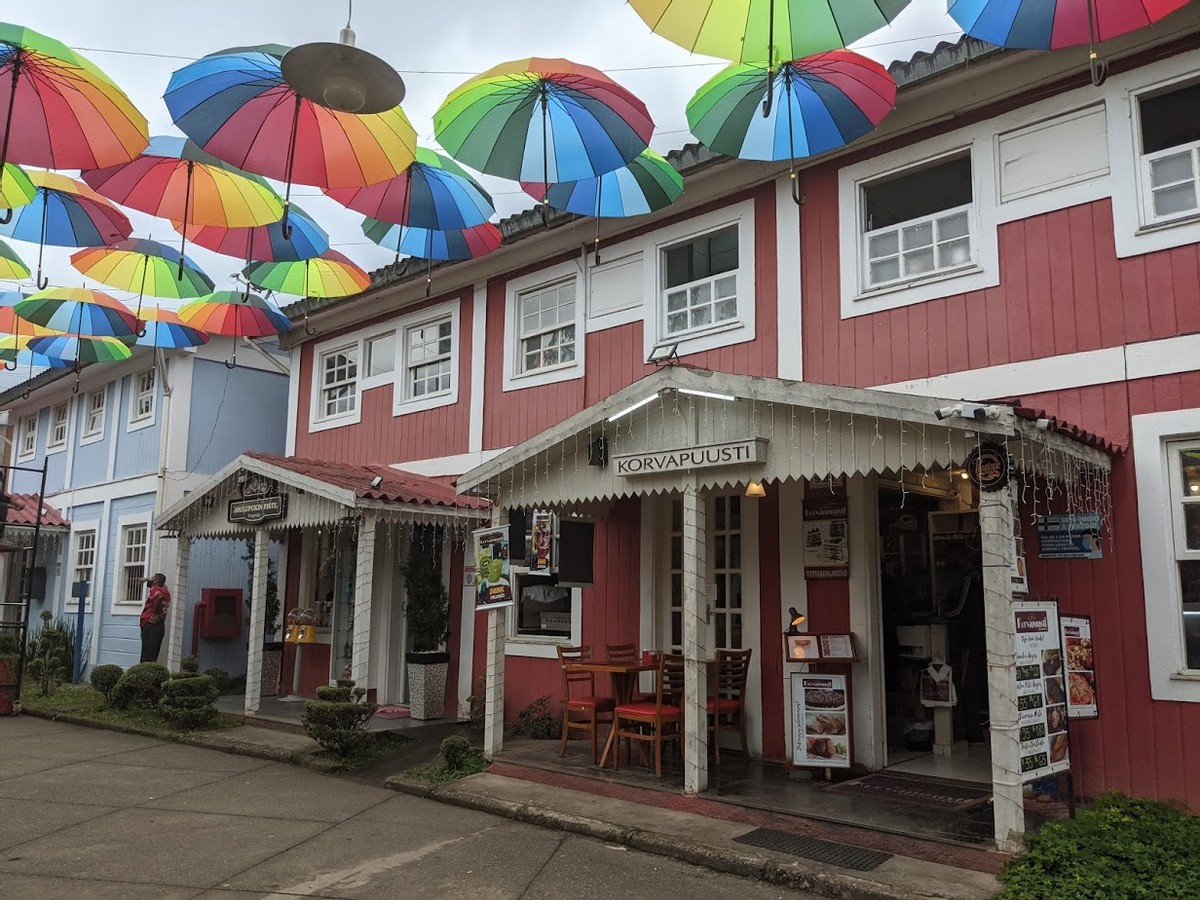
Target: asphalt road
87 813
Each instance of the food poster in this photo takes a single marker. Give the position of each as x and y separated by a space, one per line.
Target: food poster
1018 575
1041 690
821 721
1081 667
542 543
1073 536
493 586
826 537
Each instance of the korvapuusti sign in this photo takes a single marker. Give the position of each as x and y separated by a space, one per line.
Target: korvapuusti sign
686 459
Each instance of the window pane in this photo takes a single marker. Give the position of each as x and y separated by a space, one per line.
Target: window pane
719 508
701 316
952 226
915 195
677 515
721 632
727 286
954 253
676 300
725 310
918 262
1189 581
676 629
918 235
735 512
381 355
888 270
886 244
719 551
1170 119
1189 463
1174 200
677 322
1191 525
735 628
544 609
721 591
735 591
1171 169
735 550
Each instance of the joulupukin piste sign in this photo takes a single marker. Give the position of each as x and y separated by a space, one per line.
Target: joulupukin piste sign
687 459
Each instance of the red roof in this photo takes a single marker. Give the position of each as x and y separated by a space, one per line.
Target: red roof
23 509
397 486
1065 428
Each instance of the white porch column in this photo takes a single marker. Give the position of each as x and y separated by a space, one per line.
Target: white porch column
364 587
493 709
695 641
996 528
258 620
178 611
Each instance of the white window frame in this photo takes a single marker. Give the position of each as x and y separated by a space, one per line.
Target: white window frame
402 403
27 435
55 444
88 436
1170 679
664 293
318 420
120 583
372 381
735 331
514 378
136 393
532 646
78 529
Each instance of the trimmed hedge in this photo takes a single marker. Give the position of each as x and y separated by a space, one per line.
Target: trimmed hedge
187 701
140 686
105 678
457 752
337 719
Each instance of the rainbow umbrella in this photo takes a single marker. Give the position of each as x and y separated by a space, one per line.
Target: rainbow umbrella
15 189
166 331
143 267
78 312
821 103
543 120
66 213
15 352
430 244
75 349
237 105
329 275
235 314
265 242
175 179
11 265
60 111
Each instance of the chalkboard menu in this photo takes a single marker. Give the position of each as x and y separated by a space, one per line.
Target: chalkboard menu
1041 690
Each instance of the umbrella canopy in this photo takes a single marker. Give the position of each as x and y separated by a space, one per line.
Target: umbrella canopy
143 267
647 184
434 192
1052 24
78 312
66 213
14 350
12 324
11 265
235 314
237 105
426 243
15 188
166 331
59 110
543 120
329 275
73 349
265 242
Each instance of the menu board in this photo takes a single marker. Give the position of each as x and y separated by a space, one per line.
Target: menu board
837 646
826 541
1074 536
1081 667
1041 690
820 721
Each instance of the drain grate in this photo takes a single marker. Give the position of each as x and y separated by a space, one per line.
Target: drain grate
856 858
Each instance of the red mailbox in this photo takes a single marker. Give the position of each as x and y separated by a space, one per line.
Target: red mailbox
219 613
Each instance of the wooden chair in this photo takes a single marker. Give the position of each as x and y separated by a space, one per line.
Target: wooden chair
591 705
654 722
627 653
727 706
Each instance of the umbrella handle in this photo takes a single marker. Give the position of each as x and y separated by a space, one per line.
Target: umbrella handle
283 223
6 217
769 102
307 330
796 195
42 283
231 365
1098 68
10 366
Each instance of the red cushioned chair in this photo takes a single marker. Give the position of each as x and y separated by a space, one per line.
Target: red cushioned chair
594 709
654 722
727 706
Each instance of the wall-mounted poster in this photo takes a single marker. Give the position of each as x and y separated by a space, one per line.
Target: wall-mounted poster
1081 667
542 543
493 587
1075 536
1018 577
1041 690
826 537
820 721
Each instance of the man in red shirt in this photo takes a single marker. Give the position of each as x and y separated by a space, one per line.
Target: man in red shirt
154 617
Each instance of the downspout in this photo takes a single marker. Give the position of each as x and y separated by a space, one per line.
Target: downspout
160 481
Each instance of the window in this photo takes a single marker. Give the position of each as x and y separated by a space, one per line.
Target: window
58 428
93 422
918 223
1184 471
85 557
1170 133
700 282
339 382
428 360
28 445
543 608
133 562
547 326
141 409
381 355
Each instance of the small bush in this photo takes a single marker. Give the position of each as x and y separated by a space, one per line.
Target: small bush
536 721
45 673
220 679
105 678
1120 847
187 701
337 719
140 686
189 664
456 751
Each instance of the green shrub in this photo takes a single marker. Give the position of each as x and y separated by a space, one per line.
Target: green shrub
190 665
536 721
337 719
1118 848
54 642
45 673
140 686
457 751
220 678
105 678
187 701
10 645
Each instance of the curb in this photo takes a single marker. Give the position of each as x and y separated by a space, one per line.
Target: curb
784 873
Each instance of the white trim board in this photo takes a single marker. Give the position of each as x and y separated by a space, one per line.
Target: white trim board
788 293
440 466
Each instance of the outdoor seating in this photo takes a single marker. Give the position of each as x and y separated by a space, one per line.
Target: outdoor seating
595 709
628 653
656 722
726 706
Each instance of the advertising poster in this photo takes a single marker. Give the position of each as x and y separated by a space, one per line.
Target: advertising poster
1041 689
1075 536
821 721
542 543
826 541
1018 577
492 585
1081 667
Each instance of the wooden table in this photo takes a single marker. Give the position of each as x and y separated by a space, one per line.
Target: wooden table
624 680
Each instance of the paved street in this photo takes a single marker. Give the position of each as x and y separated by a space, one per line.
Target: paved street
87 813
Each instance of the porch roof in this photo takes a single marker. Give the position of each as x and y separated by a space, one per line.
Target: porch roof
802 430
23 512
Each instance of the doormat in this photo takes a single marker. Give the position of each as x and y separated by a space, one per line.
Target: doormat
949 796
392 712
843 855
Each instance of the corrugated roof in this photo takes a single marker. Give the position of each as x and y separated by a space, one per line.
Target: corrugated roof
1057 425
397 486
23 509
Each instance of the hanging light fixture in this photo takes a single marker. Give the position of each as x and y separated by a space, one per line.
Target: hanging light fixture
342 77
756 489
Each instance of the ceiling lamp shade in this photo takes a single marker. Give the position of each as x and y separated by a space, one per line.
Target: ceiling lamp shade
342 77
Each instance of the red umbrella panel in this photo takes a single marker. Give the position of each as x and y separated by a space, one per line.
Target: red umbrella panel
235 314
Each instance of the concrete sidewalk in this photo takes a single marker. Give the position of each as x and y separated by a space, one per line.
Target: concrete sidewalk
701 838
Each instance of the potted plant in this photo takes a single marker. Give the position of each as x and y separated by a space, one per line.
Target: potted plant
427 611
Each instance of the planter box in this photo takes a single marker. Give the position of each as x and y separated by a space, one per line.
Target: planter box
272 665
427 684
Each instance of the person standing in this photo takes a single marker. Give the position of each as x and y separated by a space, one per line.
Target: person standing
154 616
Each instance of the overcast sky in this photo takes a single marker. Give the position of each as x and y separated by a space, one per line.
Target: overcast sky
436 46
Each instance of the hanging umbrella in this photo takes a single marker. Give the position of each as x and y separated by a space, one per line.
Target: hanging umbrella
543 120
11 266
78 312
766 31
14 350
66 213
12 324
58 110
237 105
15 189
329 275
235 314
166 331
175 179
430 244
821 103
143 267
265 242
74 349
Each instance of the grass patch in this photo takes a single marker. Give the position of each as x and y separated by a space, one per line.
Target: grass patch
1119 848
380 745
438 772
85 702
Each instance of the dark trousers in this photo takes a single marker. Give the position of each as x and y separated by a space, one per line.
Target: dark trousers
152 638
